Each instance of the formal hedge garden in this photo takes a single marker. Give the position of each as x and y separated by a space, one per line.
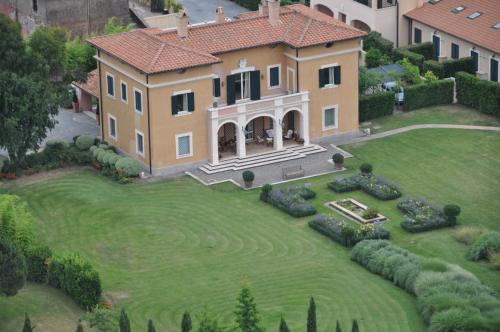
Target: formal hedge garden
375 105
480 94
449 68
448 297
429 94
372 185
291 200
347 233
421 216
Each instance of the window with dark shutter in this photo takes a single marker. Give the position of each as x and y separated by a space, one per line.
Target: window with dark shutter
417 37
323 77
230 89
436 41
174 104
138 101
216 87
111 85
274 76
190 98
255 85
494 70
475 60
455 51
336 75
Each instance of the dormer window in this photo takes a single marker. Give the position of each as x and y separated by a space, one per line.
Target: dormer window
497 26
474 15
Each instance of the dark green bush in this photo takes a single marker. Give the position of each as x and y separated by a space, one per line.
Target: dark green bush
84 142
421 216
338 158
366 168
12 267
128 167
292 200
37 259
248 176
416 59
429 94
436 67
477 93
425 49
375 40
375 186
449 68
266 190
451 211
487 243
375 105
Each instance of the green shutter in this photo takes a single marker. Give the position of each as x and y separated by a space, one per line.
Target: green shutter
323 77
336 75
255 85
231 96
174 105
217 87
190 97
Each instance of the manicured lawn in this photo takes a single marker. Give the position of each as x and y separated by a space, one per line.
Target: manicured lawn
162 248
446 114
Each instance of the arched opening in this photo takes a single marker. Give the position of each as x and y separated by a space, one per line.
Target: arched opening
292 128
361 25
324 9
259 135
227 141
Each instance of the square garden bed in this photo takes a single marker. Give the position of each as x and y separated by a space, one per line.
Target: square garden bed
357 211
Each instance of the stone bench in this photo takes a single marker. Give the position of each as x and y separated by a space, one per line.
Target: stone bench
293 172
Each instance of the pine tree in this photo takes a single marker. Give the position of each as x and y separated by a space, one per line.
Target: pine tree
27 324
151 327
124 322
79 327
338 329
283 326
311 316
246 312
355 327
186 324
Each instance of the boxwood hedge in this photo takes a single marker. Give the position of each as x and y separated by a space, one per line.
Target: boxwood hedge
477 93
449 68
291 200
428 94
375 105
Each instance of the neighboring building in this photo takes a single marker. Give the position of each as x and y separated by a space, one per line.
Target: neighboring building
88 92
175 99
384 16
461 28
80 17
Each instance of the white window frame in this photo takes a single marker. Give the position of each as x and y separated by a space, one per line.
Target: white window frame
292 71
478 58
141 111
185 100
190 135
137 132
498 67
111 117
242 89
122 82
107 85
336 117
269 87
330 66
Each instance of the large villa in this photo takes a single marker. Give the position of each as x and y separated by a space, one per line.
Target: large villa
179 98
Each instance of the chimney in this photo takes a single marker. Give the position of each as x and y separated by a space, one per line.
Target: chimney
274 12
263 8
420 3
182 25
219 15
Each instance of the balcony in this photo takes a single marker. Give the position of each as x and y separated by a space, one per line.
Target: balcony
379 3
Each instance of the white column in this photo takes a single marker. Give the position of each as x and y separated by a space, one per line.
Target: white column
240 137
278 130
305 119
214 139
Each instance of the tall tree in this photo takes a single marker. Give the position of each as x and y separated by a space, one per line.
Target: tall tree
311 316
12 268
283 326
27 324
151 327
79 327
124 322
207 324
246 312
12 48
338 329
355 327
47 46
186 324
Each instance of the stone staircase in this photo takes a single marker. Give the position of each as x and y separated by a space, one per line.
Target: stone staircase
237 164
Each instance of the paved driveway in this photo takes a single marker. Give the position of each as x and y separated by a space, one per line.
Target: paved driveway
204 10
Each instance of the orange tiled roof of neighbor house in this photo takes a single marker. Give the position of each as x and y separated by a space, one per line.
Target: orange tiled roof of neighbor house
91 85
479 31
155 50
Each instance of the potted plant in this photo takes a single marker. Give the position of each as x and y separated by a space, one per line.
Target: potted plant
248 177
338 160
366 169
76 104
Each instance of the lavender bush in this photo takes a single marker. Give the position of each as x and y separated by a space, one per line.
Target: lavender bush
421 216
292 200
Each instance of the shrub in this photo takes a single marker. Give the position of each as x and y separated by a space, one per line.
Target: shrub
449 68
424 95
477 93
468 234
84 142
292 200
451 211
430 77
37 261
100 156
366 168
12 267
338 158
16 223
248 176
370 213
345 184
347 233
375 105
372 185
425 49
128 167
416 59
422 216
434 66
76 277
375 58
487 243
374 40
266 190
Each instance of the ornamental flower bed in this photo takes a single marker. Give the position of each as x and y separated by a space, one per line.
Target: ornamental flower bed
347 233
421 216
292 200
375 186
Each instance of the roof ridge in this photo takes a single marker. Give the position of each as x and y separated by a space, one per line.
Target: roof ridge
156 57
308 25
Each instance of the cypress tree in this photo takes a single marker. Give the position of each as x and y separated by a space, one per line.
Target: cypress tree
246 312
283 326
311 316
186 324
355 327
79 327
27 324
338 329
151 327
124 322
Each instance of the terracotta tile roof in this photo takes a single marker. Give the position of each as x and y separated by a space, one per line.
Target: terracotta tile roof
90 86
154 50
478 31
